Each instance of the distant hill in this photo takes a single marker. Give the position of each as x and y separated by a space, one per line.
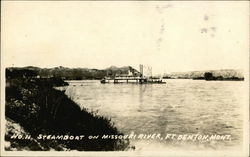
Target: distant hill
223 73
67 73
86 73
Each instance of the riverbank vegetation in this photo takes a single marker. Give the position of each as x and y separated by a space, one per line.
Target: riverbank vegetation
34 107
219 75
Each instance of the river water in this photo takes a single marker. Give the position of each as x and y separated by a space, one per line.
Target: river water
177 108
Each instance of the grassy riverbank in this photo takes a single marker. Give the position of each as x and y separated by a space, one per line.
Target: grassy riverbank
34 107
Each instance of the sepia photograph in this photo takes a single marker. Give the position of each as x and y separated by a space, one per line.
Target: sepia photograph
125 78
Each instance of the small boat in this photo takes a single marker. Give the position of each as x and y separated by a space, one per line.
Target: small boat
156 81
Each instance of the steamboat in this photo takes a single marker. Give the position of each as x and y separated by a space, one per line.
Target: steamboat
144 76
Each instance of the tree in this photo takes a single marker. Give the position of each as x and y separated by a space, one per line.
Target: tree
208 76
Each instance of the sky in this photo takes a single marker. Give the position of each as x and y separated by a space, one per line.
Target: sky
170 36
